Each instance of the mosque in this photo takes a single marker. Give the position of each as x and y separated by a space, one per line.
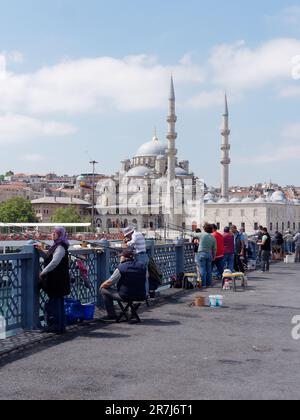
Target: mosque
155 189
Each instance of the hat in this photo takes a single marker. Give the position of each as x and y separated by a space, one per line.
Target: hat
128 231
128 254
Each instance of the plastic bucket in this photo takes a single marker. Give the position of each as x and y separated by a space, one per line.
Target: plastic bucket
219 301
200 301
88 311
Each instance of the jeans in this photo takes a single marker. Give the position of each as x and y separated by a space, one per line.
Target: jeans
266 260
205 264
109 296
238 265
229 262
55 314
289 247
219 263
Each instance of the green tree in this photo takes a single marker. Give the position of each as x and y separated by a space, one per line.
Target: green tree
17 210
66 215
10 173
2 178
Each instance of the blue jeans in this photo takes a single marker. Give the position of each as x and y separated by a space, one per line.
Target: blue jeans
205 264
229 262
219 263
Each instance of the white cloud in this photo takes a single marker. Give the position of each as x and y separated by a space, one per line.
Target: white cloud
87 85
19 128
239 67
140 82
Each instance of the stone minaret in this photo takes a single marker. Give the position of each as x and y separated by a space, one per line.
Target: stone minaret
172 153
225 162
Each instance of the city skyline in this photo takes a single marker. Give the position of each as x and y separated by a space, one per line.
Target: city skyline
69 87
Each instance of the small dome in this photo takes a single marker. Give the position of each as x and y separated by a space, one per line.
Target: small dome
181 172
209 197
296 201
278 197
223 201
80 178
260 200
235 200
139 171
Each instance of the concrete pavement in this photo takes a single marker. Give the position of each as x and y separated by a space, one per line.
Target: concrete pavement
242 351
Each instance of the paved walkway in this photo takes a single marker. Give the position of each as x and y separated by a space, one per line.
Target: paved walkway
244 350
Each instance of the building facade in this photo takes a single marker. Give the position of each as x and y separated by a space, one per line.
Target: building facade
46 207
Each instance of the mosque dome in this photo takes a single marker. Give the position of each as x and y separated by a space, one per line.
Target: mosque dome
278 197
235 200
81 178
209 197
247 200
181 172
139 171
152 148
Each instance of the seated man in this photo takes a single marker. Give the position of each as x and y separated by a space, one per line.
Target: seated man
128 283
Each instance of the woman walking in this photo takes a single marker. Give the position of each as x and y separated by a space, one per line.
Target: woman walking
55 281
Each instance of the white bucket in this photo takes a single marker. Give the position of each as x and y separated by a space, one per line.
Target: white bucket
219 301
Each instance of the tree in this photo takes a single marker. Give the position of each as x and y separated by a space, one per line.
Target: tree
66 215
10 173
17 210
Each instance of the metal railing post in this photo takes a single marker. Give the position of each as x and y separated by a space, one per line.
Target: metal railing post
180 256
103 269
30 293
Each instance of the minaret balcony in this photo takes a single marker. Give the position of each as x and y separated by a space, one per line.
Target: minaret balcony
225 147
225 132
226 162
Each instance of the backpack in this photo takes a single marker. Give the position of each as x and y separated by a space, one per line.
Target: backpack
155 276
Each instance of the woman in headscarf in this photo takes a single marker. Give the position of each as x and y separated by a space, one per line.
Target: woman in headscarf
55 280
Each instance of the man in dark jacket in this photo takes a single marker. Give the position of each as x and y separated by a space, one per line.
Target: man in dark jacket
128 283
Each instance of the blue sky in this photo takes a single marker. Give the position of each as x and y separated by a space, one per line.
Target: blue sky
82 79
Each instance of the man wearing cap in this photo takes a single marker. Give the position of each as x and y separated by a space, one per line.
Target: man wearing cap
136 241
128 283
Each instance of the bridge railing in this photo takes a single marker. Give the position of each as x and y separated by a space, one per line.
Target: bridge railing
22 304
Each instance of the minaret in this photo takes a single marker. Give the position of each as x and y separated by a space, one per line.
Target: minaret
225 148
172 152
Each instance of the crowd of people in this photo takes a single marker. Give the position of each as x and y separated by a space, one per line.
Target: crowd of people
131 280
220 251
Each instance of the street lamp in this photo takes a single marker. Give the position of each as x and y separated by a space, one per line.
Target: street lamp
94 163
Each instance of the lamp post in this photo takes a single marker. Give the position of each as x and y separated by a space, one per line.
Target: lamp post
94 163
